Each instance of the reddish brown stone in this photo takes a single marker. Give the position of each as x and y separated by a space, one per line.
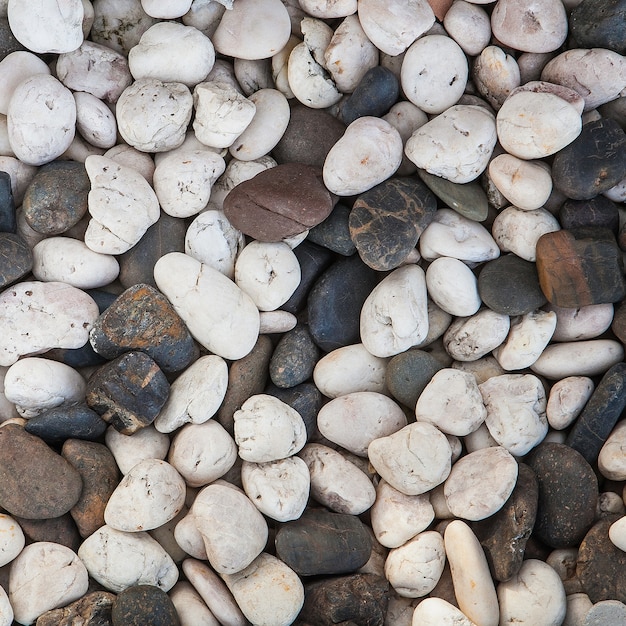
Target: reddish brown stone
279 202
580 267
98 470
93 609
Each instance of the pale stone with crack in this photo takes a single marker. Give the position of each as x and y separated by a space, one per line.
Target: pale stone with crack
535 595
195 395
45 576
48 26
268 591
528 337
434 73
611 461
349 55
414 569
269 272
172 52
396 517
253 74
453 286
183 180
202 453
452 235
354 420
585 322
233 529
94 121
12 540
279 489
118 559
41 119
336 482
190 606
518 230
456 145
15 68
534 125
70 261
525 184
122 206
473 587
516 411
434 611
268 429
394 317
213 240
35 384
414 459
56 314
317 35
470 338
566 400
469 25
452 402
369 152
480 483
229 322
147 443
151 494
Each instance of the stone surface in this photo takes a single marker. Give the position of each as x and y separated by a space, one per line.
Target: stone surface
16 259
94 609
563 475
128 392
334 232
597 211
375 94
599 25
48 488
139 604
606 612
146 443
8 222
566 400
305 398
610 458
453 286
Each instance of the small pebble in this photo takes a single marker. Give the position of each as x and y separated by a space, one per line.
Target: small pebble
146 443
453 287
143 604
567 399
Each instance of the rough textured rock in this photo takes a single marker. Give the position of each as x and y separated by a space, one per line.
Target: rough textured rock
142 604
93 609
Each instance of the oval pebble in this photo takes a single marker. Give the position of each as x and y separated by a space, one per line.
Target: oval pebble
567 399
453 287
434 611
611 460
13 539
146 443
95 121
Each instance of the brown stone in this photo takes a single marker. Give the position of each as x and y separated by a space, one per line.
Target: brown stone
93 609
99 472
60 530
279 202
618 325
580 267
35 481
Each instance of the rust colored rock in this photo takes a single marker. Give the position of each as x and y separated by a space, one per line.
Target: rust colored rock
280 202
580 267
35 481
98 470
93 609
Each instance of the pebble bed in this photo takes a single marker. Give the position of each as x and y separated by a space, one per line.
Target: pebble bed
312 312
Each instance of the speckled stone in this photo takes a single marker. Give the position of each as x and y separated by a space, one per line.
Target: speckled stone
510 285
60 530
593 163
76 421
503 536
305 398
564 477
93 609
309 136
599 24
8 222
335 302
144 605
580 266
45 489
598 418
323 543
375 94
293 358
597 211
467 199
601 566
166 235
334 232
99 473
16 259
142 318
128 392
387 221
56 198
408 373
349 600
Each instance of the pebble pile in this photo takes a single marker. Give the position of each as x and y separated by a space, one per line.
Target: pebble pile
312 312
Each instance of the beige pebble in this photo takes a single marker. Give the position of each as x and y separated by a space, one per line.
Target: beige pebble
146 443
567 399
526 184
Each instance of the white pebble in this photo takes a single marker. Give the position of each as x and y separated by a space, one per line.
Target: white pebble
434 611
469 25
526 184
16 67
585 322
190 607
567 399
95 121
12 540
453 286
131 157
276 322
146 443
611 461
617 533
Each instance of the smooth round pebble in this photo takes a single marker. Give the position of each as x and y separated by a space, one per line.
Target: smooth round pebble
611 459
470 338
146 443
190 606
617 533
469 25
16 67
453 287
566 400
13 539
606 612
433 611
525 184
94 121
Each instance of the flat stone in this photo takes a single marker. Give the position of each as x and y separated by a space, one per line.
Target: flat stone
503 535
142 318
48 488
563 475
386 221
599 25
510 285
270 207
375 94
323 543
606 612
98 471
128 392
134 605
93 609
358 599
16 259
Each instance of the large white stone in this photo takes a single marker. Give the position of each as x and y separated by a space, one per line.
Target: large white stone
118 560
566 400
16 67
218 314
470 338
453 286
6 610
12 539
469 25
579 323
190 606
146 443
525 184
354 420
394 317
434 611
45 576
